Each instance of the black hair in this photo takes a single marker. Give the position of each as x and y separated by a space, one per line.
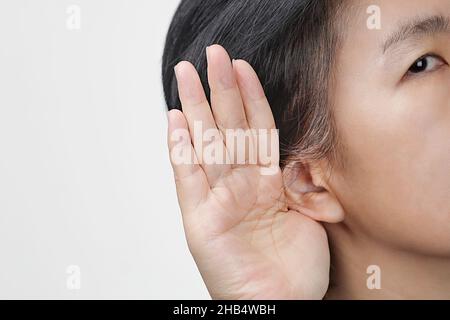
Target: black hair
290 43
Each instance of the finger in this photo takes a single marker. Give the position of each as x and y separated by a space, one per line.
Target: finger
227 105
226 99
192 185
257 109
201 123
258 113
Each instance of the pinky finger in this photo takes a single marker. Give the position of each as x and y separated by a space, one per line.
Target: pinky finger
191 182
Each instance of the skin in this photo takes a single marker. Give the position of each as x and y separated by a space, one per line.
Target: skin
395 184
237 222
387 204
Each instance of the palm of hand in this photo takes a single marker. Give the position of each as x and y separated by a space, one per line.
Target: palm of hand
246 242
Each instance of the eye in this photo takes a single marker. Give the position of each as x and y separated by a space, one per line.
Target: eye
426 63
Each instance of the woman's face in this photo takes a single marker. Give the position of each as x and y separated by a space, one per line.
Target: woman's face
392 110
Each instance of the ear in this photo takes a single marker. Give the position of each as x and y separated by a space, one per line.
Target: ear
308 193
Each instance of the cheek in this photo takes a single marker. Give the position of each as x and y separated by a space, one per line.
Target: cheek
403 133
398 162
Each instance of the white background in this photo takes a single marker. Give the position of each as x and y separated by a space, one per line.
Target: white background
84 172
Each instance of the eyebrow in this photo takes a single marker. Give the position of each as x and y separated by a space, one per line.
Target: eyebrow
418 27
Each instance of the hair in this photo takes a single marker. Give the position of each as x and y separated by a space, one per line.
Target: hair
291 44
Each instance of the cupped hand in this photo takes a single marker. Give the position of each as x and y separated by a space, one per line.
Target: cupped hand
245 239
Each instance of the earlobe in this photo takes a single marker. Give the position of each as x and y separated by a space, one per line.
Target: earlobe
309 194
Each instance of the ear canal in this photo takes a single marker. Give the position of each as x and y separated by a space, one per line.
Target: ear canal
308 195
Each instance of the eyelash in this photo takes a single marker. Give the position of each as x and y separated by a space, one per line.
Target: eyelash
411 73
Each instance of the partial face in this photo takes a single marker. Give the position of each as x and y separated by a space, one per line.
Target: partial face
392 110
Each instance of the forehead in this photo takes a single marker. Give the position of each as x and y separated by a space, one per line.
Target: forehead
370 24
372 21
